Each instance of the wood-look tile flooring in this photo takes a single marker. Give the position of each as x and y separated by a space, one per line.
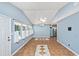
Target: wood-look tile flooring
55 48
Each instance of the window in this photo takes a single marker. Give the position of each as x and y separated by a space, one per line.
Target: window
23 28
18 29
23 31
30 29
27 31
17 35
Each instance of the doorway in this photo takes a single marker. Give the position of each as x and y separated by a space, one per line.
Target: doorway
53 31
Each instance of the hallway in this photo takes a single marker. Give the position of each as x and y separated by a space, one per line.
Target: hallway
26 26
55 48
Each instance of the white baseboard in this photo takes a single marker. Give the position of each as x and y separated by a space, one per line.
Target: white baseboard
21 46
68 48
42 37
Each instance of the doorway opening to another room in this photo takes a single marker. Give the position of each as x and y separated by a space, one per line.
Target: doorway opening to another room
53 31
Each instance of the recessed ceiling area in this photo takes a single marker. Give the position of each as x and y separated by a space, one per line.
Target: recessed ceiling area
36 10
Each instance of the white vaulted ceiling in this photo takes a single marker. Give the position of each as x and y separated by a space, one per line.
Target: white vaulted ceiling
36 10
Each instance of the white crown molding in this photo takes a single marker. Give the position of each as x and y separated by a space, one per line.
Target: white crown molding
64 16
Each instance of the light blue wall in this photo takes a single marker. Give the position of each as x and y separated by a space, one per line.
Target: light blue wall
15 46
70 7
11 11
15 13
69 37
41 31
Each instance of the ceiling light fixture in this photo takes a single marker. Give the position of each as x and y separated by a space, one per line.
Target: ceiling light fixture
43 20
